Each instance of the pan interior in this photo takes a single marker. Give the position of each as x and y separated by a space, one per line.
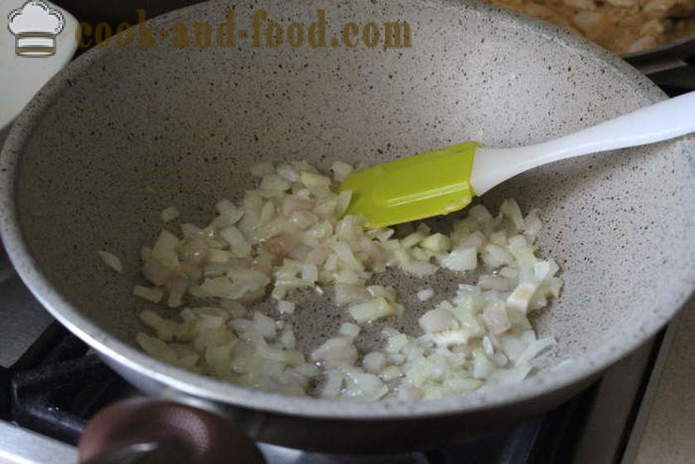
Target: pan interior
138 130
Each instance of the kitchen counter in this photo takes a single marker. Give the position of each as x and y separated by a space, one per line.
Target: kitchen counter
668 424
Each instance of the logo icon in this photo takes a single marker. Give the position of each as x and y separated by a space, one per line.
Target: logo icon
35 27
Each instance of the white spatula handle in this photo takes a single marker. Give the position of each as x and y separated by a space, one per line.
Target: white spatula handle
661 121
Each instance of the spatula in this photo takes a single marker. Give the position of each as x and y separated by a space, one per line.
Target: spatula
446 180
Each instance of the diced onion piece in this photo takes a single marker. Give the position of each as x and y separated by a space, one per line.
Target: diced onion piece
513 375
488 346
495 317
150 294
425 294
521 296
111 260
348 294
343 202
155 347
514 344
332 385
408 391
372 310
452 337
396 342
275 182
266 215
374 362
480 213
238 244
164 249
288 172
494 256
517 318
285 307
474 240
465 315
461 384
482 366
310 179
380 291
419 268
219 256
229 211
532 224
437 320
335 352
461 260
264 325
341 171
169 214
535 349
413 239
438 243
364 386
349 329
164 329
390 373
510 209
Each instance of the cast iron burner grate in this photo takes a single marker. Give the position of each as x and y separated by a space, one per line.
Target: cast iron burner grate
64 386
61 383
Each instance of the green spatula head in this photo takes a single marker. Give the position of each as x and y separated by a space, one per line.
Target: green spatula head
417 187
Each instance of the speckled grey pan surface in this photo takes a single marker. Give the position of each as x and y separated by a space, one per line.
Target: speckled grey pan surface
123 133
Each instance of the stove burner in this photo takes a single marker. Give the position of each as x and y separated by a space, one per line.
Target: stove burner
60 393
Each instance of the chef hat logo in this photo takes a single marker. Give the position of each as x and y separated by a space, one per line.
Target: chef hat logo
35 27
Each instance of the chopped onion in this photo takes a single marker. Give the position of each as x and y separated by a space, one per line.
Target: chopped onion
111 261
292 234
437 320
285 307
337 351
461 260
425 294
510 209
509 376
534 349
236 241
341 171
493 282
349 329
169 214
164 249
374 362
439 243
332 385
363 386
495 317
372 310
391 373
150 294
348 294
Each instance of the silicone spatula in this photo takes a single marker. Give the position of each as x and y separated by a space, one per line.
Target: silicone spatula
446 180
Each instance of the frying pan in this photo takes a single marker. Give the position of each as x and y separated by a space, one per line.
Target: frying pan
124 132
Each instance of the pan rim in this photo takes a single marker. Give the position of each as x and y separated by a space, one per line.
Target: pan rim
218 391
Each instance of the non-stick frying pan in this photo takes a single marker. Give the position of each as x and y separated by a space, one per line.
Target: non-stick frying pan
124 132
